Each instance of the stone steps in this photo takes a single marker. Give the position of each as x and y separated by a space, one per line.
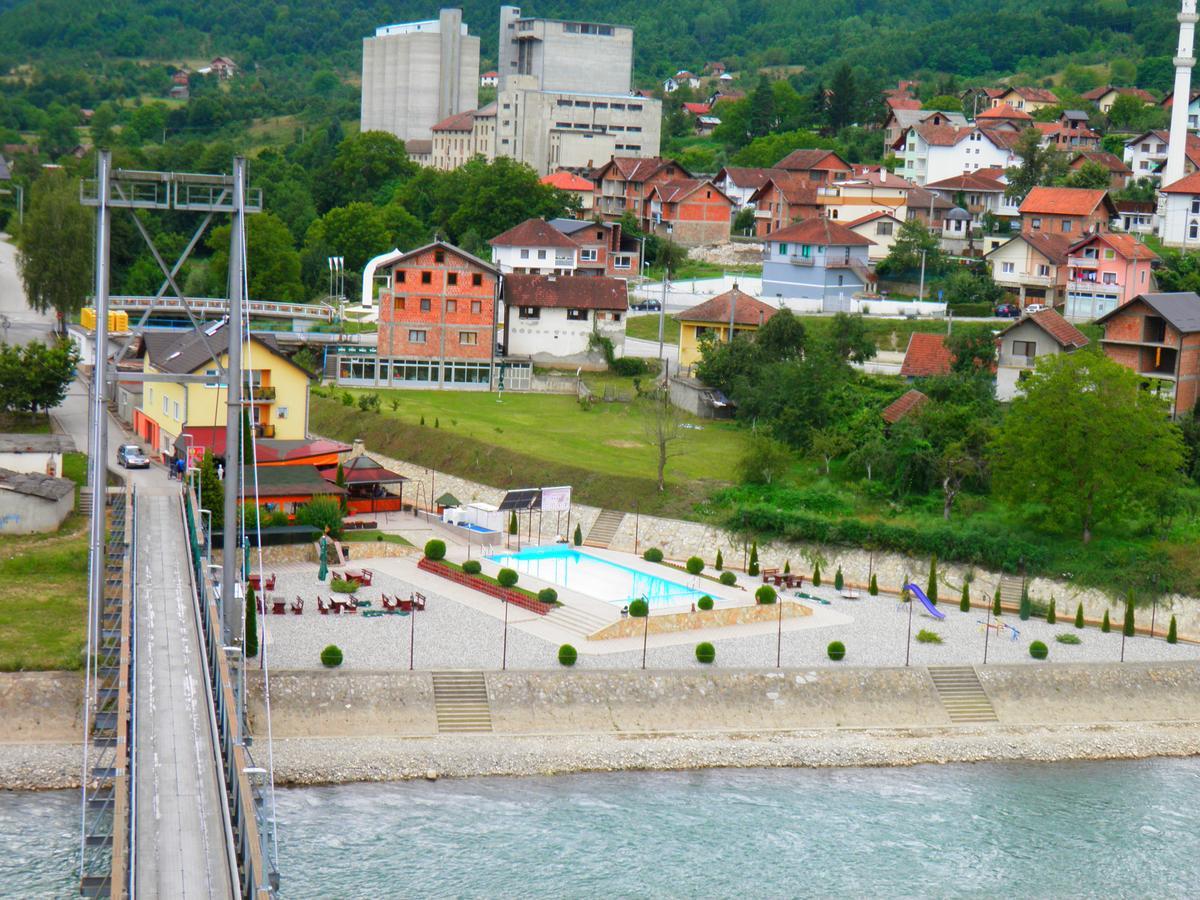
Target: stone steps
604 529
461 702
962 695
576 620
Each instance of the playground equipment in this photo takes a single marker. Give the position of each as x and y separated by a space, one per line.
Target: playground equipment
1000 628
929 607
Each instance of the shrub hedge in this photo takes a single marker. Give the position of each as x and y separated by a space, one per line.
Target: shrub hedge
836 650
567 655
507 577
548 595
928 637
1038 650
653 554
472 567
964 543
728 579
765 595
331 656
435 549
694 565
705 652
705 602
1069 638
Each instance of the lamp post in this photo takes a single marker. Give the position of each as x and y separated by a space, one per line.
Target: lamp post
412 635
908 637
504 651
987 626
779 636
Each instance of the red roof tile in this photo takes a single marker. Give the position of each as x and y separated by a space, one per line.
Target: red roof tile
1188 184
682 188
820 231
803 160
1062 201
905 404
927 355
1005 111
533 233
568 181
463 121
1110 161
1126 245
902 103
1063 332
747 310
639 169
1096 94
745 177
565 292
698 109
968 181
1037 95
871 217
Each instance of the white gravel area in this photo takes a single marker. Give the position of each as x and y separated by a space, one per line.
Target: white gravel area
453 634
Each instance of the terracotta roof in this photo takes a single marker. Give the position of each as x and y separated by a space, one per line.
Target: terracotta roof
920 200
532 233
1135 206
1188 184
182 353
995 172
926 355
903 405
747 310
1170 98
565 292
744 177
1052 246
803 160
820 231
463 121
1126 245
638 169
568 181
302 480
1156 133
1037 95
491 74
1096 94
968 181
682 188
1003 138
871 217
1062 201
1005 111
903 103
418 146
876 177
797 188
698 109
1110 161
1063 332
364 469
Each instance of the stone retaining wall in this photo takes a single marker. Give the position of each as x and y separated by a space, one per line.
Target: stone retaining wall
40 707
306 552
679 539
328 703
671 623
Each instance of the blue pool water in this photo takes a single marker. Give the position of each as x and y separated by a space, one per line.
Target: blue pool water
567 567
471 526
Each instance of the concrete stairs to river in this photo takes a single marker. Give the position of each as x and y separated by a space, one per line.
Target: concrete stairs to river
604 529
575 620
461 702
962 695
1009 589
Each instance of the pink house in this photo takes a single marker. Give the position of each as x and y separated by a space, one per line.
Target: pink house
1104 271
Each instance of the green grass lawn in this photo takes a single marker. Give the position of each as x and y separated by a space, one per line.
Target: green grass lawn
367 536
43 599
645 327
24 423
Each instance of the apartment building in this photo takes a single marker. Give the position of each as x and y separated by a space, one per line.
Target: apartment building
936 152
1105 271
417 74
534 247
463 136
565 56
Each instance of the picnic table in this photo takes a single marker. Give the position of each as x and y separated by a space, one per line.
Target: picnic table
256 582
362 576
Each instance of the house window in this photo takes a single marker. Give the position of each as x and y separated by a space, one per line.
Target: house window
175 410
524 254
587 255
399 276
1193 230
1066 226
541 254
806 251
1035 224
452 278
398 304
1007 268
426 278
883 228
621 262
529 312
1024 348
1196 205
783 249
468 338
476 280
1109 253
451 306
439 256
577 315
476 307
426 305
1109 278
1043 271
165 402
416 337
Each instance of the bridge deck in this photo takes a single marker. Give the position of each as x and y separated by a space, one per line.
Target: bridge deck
181 839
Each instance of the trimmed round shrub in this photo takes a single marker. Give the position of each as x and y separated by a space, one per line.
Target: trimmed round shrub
705 652
694 565
705 602
548 595
331 656
506 577
567 655
653 554
639 609
728 579
472 567
1038 650
435 549
765 595
836 650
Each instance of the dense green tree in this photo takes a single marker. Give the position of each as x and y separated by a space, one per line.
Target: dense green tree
272 264
764 461
1088 410
782 336
363 164
35 376
971 285
762 109
1090 175
850 339
973 352
913 241
1039 165
843 98
54 255
765 152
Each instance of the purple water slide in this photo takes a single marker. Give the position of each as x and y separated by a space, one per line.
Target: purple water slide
929 607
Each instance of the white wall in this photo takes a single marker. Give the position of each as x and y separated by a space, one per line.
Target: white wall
553 336
508 260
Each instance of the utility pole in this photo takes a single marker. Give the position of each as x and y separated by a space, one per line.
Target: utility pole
230 608
99 419
662 313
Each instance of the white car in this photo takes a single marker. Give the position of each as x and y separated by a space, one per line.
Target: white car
1035 308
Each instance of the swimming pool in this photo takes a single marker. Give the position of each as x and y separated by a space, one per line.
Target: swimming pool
478 529
612 582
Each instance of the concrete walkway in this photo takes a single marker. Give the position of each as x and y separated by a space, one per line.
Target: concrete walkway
181 839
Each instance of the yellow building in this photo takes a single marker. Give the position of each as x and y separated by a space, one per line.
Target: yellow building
277 402
712 318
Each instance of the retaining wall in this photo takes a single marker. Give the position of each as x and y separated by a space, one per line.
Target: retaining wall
332 703
670 623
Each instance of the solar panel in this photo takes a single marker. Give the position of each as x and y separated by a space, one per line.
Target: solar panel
523 498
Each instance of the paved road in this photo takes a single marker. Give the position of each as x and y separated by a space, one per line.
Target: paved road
24 324
649 349
181 842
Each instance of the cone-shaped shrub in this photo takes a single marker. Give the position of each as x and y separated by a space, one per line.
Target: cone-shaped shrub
838 581
996 604
816 575
931 590
1172 637
873 589
787 567
578 535
1105 626
1128 626
251 623
1026 608
720 563
512 522
752 569
1051 618
1079 616
964 602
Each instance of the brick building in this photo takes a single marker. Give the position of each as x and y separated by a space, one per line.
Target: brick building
1063 210
437 322
691 211
1158 336
623 184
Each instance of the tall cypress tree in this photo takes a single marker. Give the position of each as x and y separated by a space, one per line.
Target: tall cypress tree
251 623
762 109
1128 627
842 99
931 590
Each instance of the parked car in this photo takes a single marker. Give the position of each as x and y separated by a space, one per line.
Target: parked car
646 306
1008 311
1032 308
131 457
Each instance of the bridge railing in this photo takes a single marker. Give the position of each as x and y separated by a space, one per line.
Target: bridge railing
280 309
258 872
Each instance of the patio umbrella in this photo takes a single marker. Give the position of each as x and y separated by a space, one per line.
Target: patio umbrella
324 570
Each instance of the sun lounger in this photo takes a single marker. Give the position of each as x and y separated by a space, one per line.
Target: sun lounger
388 603
419 602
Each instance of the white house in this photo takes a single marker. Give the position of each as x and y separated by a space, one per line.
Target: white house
40 454
739 183
1032 268
881 229
534 248
680 79
936 152
1022 343
1146 153
1180 210
551 318
489 79
979 194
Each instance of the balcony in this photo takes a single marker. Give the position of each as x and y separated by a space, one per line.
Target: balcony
800 260
843 262
1016 361
1083 286
1083 262
262 392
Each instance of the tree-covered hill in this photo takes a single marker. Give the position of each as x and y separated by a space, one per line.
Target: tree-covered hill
883 37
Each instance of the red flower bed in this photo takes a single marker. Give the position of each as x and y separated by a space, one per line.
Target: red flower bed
516 598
